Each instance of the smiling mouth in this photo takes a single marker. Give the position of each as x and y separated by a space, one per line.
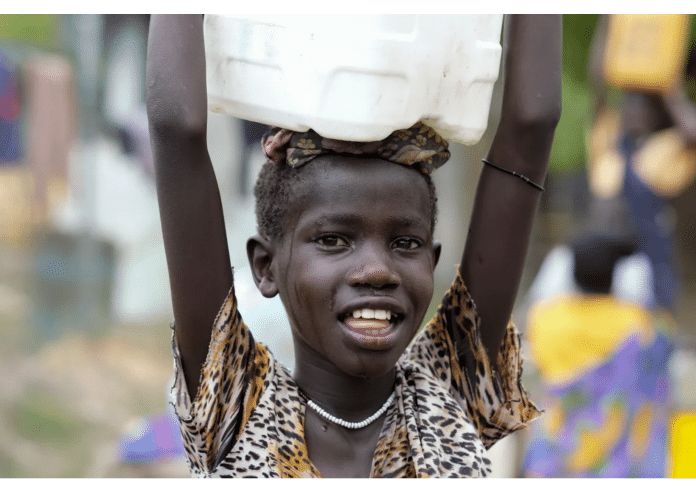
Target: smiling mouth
373 329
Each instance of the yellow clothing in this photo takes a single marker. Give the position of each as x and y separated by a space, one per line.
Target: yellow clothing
569 334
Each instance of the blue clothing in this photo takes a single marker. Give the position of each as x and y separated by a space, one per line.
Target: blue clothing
651 214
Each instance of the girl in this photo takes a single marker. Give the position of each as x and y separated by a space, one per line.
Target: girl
345 239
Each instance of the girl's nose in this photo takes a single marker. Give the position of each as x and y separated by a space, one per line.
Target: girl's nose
374 270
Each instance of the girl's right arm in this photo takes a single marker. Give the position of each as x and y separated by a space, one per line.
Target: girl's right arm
193 226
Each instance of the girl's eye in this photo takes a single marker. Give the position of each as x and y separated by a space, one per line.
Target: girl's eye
332 242
406 243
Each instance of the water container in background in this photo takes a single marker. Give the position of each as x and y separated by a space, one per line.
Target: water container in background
646 51
355 77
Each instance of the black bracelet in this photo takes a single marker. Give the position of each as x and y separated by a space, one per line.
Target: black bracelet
516 174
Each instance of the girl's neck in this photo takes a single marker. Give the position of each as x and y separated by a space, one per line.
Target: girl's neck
342 395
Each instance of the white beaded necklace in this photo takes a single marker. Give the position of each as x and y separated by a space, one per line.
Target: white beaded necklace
351 425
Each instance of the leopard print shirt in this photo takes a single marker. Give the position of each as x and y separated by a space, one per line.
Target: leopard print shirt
247 419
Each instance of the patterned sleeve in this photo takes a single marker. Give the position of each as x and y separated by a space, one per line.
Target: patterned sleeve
229 389
449 349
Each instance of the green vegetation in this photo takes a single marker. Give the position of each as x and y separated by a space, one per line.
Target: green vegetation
40 419
568 151
37 29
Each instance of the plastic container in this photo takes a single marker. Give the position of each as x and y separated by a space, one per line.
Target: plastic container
355 77
646 51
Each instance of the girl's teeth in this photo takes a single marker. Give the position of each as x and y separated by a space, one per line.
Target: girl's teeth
372 314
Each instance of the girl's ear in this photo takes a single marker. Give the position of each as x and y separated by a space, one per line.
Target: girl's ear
437 249
260 253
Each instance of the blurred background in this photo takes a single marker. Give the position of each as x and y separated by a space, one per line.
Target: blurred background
85 307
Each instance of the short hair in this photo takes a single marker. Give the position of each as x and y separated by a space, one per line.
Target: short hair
595 259
277 188
608 234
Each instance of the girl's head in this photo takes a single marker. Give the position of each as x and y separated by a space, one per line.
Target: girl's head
281 179
279 188
347 242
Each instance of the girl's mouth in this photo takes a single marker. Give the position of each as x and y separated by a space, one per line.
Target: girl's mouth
373 329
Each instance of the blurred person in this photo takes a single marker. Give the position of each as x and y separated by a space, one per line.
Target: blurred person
645 150
15 182
633 275
603 364
53 128
10 144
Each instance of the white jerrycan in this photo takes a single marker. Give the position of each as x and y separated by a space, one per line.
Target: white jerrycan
355 77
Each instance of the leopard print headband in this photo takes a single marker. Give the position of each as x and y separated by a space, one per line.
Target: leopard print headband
419 147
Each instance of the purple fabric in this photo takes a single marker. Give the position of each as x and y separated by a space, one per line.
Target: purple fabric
155 438
634 377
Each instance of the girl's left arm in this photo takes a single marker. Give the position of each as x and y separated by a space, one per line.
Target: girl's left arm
505 205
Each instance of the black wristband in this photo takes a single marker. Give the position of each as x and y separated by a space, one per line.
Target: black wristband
516 174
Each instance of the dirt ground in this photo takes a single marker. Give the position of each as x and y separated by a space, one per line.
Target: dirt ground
64 403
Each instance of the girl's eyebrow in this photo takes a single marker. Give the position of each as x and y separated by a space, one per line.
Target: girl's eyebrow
400 220
336 218
407 220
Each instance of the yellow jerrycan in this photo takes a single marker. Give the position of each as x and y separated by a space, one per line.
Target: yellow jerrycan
646 52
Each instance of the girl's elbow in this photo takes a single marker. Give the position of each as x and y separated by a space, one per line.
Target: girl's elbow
177 128
168 120
169 115
542 119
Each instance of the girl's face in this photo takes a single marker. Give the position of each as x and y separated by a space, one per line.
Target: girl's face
355 268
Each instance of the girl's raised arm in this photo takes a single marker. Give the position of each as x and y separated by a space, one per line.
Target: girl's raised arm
193 227
505 204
